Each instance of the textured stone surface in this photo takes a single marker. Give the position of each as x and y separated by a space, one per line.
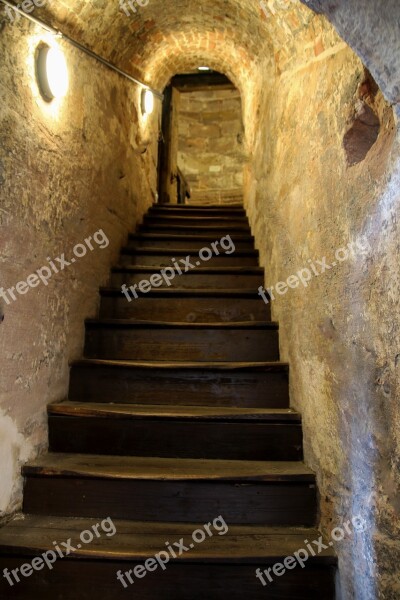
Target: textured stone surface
67 169
372 29
210 153
341 333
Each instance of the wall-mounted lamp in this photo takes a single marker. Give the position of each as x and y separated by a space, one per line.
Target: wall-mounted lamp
203 69
52 72
147 102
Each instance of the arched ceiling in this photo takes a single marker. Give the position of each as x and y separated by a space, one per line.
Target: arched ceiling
170 36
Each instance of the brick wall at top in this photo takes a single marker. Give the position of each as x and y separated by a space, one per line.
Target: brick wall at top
210 151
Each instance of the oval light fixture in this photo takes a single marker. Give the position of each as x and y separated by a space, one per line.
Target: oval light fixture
147 102
52 72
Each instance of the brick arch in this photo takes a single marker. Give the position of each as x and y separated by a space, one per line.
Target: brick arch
177 54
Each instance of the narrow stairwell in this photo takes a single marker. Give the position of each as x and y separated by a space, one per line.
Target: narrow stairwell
178 414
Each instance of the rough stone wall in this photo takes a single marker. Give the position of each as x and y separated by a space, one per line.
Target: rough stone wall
67 169
210 151
340 333
372 30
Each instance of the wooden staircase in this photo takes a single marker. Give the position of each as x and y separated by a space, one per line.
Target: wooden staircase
178 414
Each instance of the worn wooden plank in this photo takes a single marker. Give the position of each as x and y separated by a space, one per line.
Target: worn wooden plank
160 240
33 534
199 278
197 413
165 469
162 257
186 305
197 211
135 340
176 500
81 579
215 231
77 431
187 383
151 219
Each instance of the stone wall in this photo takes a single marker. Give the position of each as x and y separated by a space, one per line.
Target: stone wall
315 195
67 169
210 151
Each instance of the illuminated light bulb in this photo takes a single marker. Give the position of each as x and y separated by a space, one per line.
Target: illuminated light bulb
52 73
147 102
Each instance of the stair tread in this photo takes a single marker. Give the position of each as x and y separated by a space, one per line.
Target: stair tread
178 236
198 413
197 206
30 535
199 270
167 291
252 325
205 218
220 366
167 469
180 251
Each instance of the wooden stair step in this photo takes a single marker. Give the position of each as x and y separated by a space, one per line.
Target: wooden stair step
200 205
187 305
175 431
176 412
199 278
162 257
220 567
145 340
191 220
159 489
164 240
215 231
247 384
200 210
136 541
165 469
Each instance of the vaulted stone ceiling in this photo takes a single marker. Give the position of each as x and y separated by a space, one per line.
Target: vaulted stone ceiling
170 36
166 37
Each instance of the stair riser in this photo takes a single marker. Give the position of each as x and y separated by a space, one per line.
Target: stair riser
194 280
165 259
180 501
189 221
180 387
174 344
215 232
189 310
175 439
187 242
76 580
197 212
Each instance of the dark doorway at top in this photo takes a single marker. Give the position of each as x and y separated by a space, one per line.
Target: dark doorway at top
201 152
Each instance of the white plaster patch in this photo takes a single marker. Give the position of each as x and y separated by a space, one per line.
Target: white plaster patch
14 450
